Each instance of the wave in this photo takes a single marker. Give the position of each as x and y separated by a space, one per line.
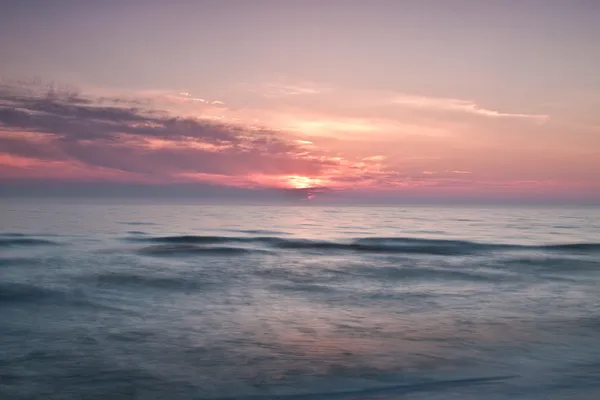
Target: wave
153 281
22 292
25 241
26 293
395 390
384 245
391 273
193 239
17 261
190 249
554 264
578 247
258 231
368 244
302 287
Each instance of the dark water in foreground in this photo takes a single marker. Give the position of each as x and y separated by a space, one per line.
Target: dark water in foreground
196 302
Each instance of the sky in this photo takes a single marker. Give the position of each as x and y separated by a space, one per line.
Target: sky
344 99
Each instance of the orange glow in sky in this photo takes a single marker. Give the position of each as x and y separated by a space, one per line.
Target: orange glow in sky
303 182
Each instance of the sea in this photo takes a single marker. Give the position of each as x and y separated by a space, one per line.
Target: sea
142 300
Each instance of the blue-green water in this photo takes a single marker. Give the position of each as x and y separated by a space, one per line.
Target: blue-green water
171 301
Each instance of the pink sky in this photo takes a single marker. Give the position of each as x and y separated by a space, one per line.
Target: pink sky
301 136
437 111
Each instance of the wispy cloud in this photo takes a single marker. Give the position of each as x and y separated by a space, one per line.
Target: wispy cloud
284 88
291 90
306 93
458 105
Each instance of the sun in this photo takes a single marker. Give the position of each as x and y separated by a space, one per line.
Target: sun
303 182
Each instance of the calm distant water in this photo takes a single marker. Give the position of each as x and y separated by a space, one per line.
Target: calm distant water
158 301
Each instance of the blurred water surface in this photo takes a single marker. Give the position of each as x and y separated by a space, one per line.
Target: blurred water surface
173 301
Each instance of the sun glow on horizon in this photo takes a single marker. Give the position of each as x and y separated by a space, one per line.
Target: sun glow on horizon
302 182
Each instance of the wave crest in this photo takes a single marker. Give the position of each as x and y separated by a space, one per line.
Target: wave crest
407 245
190 249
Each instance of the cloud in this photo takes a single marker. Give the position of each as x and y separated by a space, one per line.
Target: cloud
128 135
106 138
47 126
374 158
458 105
312 95
283 88
47 132
291 90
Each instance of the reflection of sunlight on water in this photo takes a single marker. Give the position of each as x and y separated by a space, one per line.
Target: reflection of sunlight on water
327 337
288 334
